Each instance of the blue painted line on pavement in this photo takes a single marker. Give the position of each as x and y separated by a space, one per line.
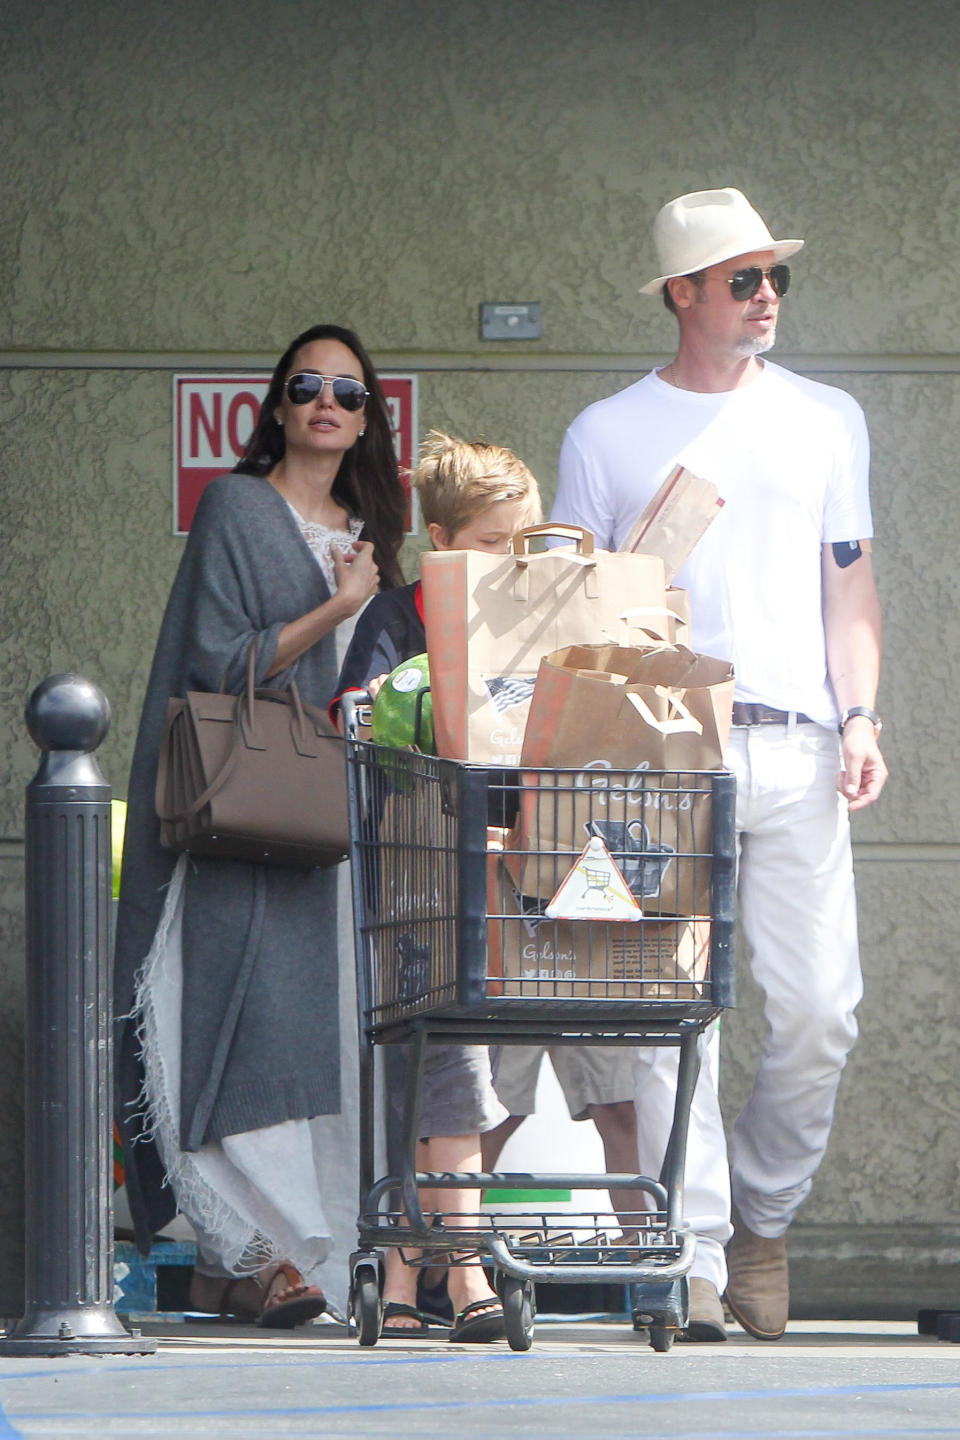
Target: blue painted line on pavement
672 1397
309 1361
767 1433
7 1431
834 1431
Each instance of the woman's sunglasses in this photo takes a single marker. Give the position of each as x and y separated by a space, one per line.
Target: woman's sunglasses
744 284
349 394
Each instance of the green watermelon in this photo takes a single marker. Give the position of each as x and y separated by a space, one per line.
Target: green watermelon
394 717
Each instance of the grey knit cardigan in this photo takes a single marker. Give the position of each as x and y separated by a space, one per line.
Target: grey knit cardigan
260 1020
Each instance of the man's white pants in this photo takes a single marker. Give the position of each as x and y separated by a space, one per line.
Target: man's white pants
798 915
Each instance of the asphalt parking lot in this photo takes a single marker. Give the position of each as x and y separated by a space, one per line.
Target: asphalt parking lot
580 1379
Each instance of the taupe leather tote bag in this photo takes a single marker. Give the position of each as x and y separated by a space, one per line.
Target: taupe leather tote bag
259 776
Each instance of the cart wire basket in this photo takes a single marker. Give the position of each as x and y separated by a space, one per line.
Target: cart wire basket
534 907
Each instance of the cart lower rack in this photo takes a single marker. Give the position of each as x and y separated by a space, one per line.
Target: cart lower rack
534 907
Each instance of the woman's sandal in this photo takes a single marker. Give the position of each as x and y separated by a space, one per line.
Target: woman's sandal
305 1304
238 1297
251 1298
391 1310
480 1323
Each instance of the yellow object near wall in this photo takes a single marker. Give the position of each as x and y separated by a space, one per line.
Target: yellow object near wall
118 824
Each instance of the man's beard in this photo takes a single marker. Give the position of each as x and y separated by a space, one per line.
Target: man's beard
756 344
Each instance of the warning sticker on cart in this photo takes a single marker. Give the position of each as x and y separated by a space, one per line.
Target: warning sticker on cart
594 889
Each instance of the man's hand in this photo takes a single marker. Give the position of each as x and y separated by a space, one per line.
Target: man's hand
864 772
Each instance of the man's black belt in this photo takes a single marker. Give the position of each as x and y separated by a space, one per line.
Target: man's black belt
765 715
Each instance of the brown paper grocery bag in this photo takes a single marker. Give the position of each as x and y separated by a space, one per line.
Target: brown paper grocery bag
491 618
660 705
412 961
616 717
540 959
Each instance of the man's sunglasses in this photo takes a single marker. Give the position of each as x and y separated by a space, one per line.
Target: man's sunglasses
349 394
744 284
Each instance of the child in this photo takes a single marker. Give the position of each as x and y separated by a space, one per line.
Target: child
472 497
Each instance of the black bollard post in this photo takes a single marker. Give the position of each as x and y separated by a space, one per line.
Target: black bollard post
68 1090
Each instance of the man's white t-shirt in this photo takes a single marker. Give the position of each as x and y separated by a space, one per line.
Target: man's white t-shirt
790 458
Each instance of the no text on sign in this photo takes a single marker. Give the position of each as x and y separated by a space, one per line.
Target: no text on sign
214 416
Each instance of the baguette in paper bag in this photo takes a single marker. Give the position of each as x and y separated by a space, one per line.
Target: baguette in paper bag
675 519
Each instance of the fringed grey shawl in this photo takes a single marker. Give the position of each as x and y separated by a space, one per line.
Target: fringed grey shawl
260 1027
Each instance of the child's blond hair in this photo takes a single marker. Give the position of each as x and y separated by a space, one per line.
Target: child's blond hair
458 479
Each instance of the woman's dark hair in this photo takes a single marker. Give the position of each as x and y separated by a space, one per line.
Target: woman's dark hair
367 483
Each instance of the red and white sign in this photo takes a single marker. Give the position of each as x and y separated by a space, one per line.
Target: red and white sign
214 416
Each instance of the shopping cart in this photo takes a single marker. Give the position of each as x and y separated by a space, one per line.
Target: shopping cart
458 942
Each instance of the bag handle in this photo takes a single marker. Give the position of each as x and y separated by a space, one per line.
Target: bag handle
251 731
687 724
245 715
583 555
519 543
633 619
302 733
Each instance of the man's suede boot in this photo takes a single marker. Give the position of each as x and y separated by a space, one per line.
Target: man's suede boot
758 1282
706 1323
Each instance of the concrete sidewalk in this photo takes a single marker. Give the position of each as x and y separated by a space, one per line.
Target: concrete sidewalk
830 1379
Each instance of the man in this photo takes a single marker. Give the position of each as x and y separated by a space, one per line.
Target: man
781 585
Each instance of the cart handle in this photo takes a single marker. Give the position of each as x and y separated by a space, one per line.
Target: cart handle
355 707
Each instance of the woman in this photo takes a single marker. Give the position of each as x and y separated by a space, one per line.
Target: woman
227 972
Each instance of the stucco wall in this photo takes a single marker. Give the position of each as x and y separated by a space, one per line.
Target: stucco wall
204 177
184 182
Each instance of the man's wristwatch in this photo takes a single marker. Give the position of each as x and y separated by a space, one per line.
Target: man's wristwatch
864 710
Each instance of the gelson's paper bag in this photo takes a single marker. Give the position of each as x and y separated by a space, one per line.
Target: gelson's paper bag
533 956
415 959
618 717
490 618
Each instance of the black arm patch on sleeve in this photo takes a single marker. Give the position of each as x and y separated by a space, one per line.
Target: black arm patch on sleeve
845 552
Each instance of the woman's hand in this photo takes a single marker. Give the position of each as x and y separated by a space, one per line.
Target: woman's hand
357 579
356 574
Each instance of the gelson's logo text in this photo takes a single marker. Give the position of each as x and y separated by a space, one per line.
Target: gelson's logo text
630 786
540 962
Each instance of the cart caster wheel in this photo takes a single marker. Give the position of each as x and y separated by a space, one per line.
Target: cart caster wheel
519 1308
367 1304
662 1336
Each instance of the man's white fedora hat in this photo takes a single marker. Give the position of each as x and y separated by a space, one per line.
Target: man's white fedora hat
708 226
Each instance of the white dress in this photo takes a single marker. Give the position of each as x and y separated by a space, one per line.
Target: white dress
283 1192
